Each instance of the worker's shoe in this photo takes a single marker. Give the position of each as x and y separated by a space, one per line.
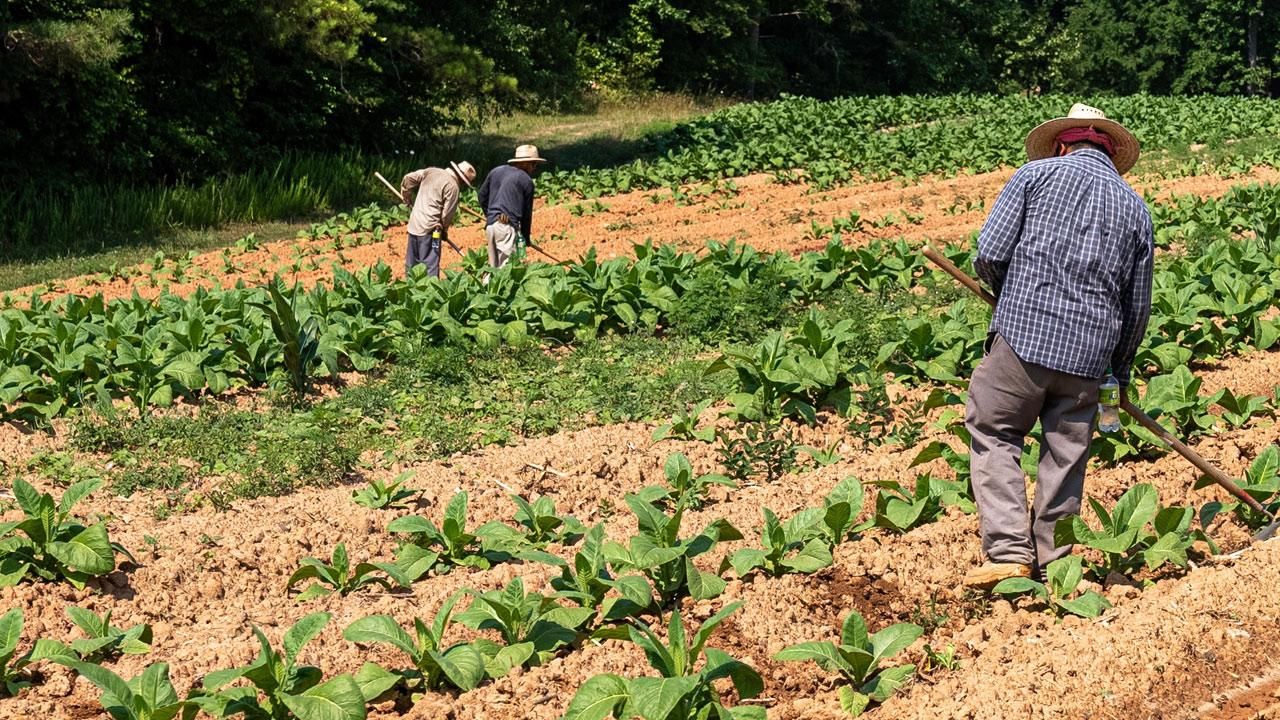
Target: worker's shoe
989 574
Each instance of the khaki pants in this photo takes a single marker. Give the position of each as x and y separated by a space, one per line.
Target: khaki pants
1006 397
502 243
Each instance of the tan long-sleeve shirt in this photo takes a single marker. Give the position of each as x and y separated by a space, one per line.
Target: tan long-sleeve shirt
436 203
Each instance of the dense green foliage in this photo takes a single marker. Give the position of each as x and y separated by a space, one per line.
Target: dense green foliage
835 141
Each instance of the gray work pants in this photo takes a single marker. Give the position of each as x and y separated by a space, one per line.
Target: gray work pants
423 250
1006 397
502 243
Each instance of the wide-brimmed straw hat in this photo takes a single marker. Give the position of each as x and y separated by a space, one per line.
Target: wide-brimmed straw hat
526 153
1042 141
464 171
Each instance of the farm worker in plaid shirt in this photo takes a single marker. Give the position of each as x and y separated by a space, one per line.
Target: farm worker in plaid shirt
434 208
1067 251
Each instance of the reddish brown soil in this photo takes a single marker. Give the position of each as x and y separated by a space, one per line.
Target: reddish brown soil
1160 653
767 215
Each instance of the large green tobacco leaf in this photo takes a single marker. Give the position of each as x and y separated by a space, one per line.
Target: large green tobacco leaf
599 697
336 699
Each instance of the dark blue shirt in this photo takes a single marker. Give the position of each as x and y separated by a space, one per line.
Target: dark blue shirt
1068 251
508 189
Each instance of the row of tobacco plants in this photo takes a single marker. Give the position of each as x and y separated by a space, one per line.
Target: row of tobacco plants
78 351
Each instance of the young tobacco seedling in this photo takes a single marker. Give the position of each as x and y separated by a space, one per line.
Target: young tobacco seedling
149 696
684 426
683 489
666 560
587 581
446 546
788 548
379 495
1064 575
537 526
526 619
280 688
1124 539
53 545
840 510
899 509
858 657
682 690
823 456
12 678
105 641
462 665
340 577
1261 481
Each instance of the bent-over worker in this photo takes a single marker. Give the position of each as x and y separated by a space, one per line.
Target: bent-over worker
506 198
434 210
1067 251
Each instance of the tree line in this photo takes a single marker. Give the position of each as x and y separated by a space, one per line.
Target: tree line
112 89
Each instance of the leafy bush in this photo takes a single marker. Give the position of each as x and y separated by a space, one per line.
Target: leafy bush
757 449
684 426
857 657
49 544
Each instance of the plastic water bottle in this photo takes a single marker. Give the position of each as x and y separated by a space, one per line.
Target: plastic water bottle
1109 404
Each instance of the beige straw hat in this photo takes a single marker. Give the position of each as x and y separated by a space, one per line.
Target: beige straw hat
464 171
1042 141
527 153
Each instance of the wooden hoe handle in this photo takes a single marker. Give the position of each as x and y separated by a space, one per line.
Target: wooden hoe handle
1134 411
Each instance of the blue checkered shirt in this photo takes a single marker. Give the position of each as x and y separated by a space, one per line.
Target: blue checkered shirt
1068 252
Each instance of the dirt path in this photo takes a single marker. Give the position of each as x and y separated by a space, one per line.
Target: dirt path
760 212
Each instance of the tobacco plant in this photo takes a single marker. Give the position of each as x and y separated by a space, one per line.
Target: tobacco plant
444 547
1262 483
105 641
379 495
664 558
339 577
435 665
682 689
786 548
1063 577
900 509
50 544
526 619
587 581
1136 532
149 696
683 488
13 678
857 657
537 526
684 426
279 687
